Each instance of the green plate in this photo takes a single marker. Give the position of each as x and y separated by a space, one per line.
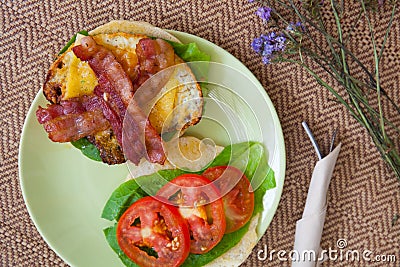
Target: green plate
65 192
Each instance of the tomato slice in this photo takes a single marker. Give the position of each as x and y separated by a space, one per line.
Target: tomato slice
201 205
239 201
153 233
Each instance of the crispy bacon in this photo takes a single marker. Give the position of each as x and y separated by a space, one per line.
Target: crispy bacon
46 114
153 56
72 127
114 81
72 106
113 101
106 91
135 124
111 115
75 105
104 65
72 119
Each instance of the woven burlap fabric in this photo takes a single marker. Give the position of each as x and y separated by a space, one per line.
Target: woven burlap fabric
364 195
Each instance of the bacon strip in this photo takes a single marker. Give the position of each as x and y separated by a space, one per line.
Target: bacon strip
73 119
110 114
72 127
51 112
153 56
105 90
115 81
72 106
133 137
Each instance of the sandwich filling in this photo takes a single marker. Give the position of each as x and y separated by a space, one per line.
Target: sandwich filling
92 86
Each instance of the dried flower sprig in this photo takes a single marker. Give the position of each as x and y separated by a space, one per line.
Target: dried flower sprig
364 96
269 45
264 13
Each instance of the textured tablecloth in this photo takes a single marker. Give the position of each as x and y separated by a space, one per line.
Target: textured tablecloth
364 195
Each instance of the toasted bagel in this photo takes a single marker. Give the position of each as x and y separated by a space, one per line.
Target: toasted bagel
178 106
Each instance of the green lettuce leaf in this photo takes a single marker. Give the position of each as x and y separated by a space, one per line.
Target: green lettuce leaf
87 149
250 157
111 236
189 52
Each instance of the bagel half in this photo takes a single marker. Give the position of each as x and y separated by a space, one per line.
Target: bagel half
178 106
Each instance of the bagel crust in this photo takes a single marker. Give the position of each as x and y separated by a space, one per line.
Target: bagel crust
134 27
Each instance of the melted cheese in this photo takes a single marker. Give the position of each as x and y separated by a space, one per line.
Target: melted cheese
160 114
80 79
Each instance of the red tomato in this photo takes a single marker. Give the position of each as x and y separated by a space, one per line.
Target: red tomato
200 204
153 233
239 201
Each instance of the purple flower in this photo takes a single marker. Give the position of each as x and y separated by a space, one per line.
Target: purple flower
276 41
270 36
280 43
266 60
251 1
264 13
295 26
268 45
257 45
290 27
268 49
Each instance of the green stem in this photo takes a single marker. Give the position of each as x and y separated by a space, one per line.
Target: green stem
378 89
323 83
387 33
390 155
339 28
330 39
353 27
356 92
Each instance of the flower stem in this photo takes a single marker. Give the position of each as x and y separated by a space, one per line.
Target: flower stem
376 59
